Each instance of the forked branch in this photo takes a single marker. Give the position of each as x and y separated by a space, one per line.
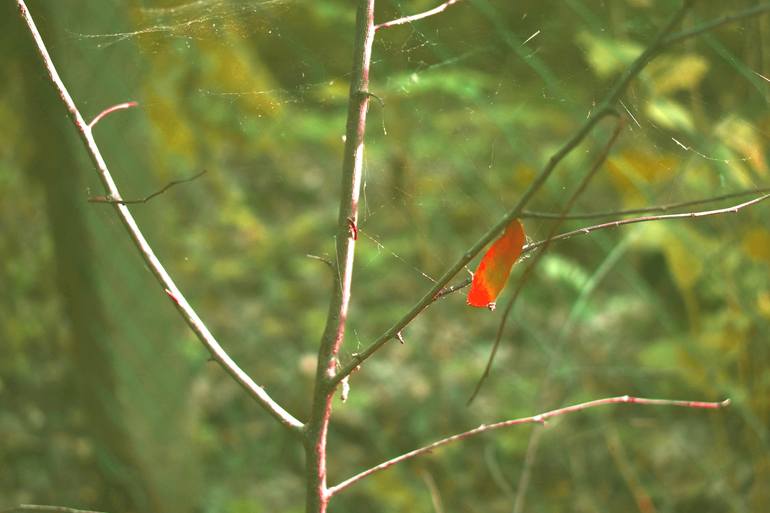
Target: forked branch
414 17
164 279
606 108
530 269
535 419
733 209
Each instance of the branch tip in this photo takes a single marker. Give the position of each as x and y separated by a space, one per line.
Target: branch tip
109 110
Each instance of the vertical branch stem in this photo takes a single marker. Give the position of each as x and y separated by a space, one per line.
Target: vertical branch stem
347 222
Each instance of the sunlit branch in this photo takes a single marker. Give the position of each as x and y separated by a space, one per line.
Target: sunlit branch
164 279
317 496
644 219
42 508
582 186
414 17
109 110
606 108
535 419
529 214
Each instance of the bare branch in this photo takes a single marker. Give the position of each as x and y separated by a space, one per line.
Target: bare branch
606 108
535 419
164 279
645 210
109 199
582 186
621 222
706 27
46 509
414 17
109 110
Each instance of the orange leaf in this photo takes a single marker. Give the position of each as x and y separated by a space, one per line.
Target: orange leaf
492 273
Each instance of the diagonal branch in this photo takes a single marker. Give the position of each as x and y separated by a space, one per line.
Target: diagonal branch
529 214
164 279
711 25
414 17
535 419
606 108
582 186
643 219
44 508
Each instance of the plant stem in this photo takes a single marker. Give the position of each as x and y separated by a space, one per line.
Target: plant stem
164 279
347 222
606 108
535 419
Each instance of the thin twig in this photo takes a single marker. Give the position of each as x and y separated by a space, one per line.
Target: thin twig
643 219
188 313
711 25
606 108
414 17
46 509
530 269
644 210
617 223
109 199
109 110
535 419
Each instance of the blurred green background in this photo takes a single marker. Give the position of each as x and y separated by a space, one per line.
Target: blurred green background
108 402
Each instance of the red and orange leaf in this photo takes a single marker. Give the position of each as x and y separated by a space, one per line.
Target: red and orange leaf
492 273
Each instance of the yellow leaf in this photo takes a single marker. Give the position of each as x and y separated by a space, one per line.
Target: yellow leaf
756 243
632 171
681 73
743 137
670 114
686 265
607 56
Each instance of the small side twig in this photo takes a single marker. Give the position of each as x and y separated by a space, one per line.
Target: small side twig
644 219
110 199
414 17
109 110
534 419
529 214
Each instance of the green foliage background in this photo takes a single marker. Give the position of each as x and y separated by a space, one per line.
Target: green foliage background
108 402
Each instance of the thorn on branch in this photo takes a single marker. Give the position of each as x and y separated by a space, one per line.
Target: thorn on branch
322 259
353 228
171 295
